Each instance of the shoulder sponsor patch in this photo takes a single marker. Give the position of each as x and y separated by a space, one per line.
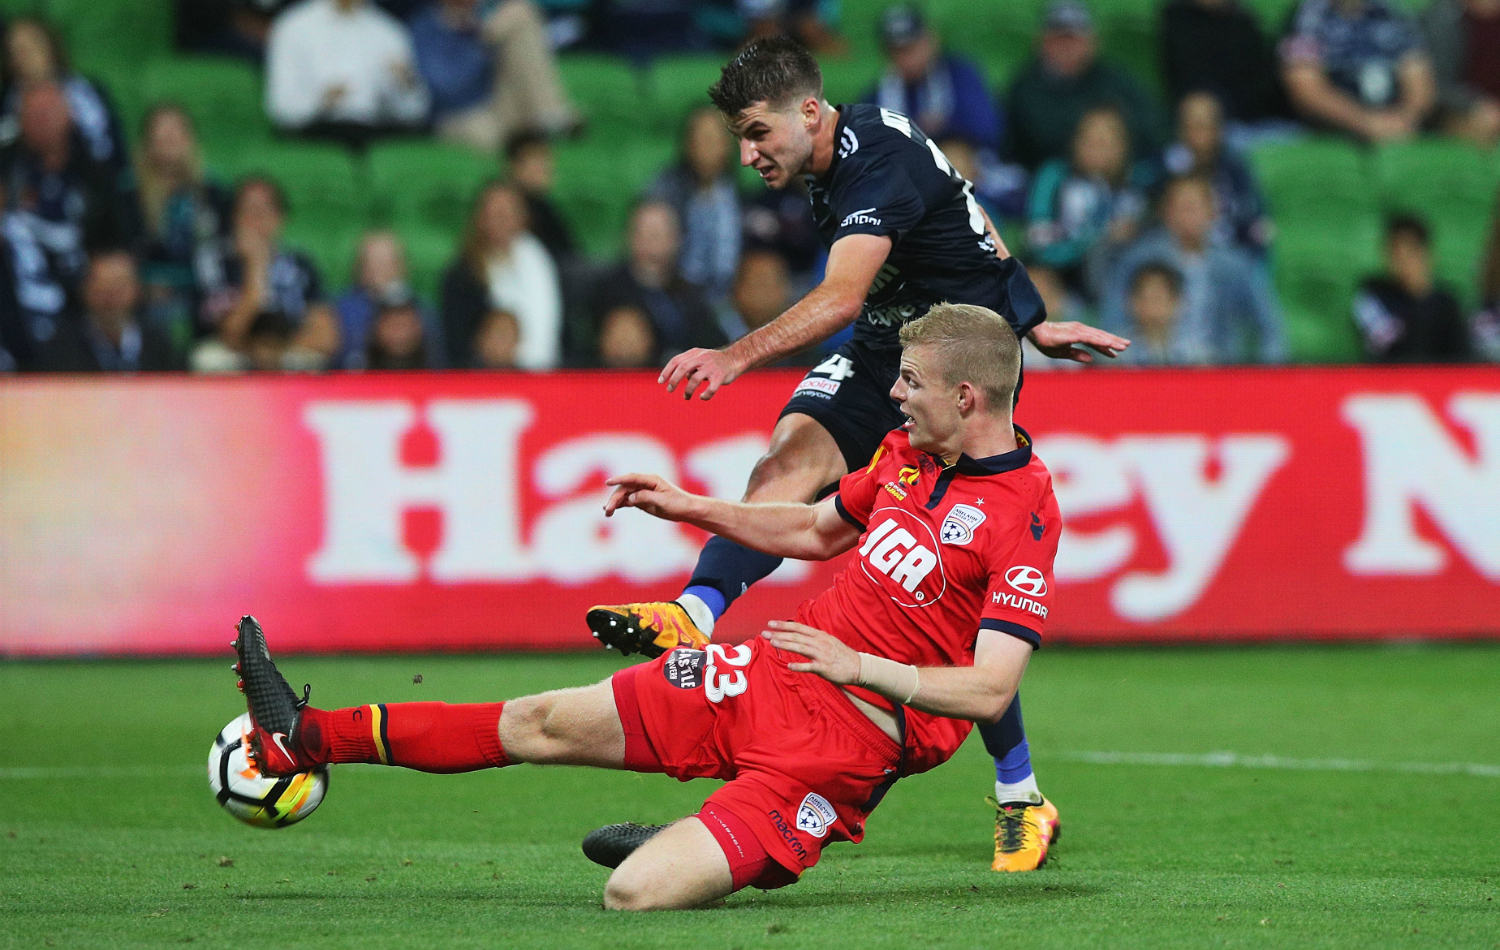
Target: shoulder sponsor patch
815 815
817 384
862 216
958 527
683 668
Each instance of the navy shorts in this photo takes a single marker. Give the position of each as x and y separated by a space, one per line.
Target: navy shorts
849 394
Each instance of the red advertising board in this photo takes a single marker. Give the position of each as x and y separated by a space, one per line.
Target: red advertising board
458 511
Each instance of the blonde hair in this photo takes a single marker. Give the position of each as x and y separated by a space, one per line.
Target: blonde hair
974 346
154 189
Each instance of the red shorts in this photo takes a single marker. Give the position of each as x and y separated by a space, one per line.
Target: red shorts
804 766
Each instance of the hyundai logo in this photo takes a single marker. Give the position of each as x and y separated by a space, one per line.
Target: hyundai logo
1027 580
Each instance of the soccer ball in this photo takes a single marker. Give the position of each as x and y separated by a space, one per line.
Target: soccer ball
257 799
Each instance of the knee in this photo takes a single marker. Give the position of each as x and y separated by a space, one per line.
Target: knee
622 895
778 476
526 729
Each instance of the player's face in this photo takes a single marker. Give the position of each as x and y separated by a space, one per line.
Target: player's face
776 143
928 402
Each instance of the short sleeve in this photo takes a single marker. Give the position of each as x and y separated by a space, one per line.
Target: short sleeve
876 196
1021 590
856 495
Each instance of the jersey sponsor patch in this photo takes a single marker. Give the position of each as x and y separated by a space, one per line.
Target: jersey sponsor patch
1027 580
816 384
683 668
901 555
862 216
815 815
958 527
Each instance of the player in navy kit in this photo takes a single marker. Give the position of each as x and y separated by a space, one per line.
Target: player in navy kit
904 233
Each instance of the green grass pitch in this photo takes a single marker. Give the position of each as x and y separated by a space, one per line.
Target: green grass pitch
1376 824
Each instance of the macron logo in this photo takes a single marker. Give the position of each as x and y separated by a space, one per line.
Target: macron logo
848 144
862 216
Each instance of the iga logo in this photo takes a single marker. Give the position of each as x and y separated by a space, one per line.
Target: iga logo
903 553
1027 580
814 815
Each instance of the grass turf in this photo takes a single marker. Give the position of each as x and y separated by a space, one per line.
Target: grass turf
109 838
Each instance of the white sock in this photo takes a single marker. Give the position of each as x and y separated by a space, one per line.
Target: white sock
698 613
1023 791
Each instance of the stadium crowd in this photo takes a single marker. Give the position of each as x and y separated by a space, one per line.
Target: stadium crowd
1137 211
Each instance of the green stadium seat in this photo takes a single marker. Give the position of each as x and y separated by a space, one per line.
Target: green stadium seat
606 89
598 179
130 30
428 254
333 249
1320 181
1452 185
1316 274
222 95
675 85
847 80
326 191
429 184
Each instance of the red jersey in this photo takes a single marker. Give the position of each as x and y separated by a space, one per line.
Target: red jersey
946 550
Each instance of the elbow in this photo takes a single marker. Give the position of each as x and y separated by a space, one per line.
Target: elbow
996 704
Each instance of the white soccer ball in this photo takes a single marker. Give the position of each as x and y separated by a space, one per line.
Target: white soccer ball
256 799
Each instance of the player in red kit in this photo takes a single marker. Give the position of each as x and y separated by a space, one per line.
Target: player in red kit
929 629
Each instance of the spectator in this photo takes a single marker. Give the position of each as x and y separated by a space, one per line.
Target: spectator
649 280
398 336
255 291
627 339
1082 211
1402 315
1358 67
945 95
1200 149
1000 188
184 215
110 337
342 69
491 74
380 277
66 199
228 27
1059 304
1226 298
1065 80
762 290
503 266
32 302
35 54
803 20
529 155
1216 46
701 189
497 342
1487 320
782 221
1463 42
1156 337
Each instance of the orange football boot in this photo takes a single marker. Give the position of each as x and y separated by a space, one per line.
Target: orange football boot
1023 834
650 629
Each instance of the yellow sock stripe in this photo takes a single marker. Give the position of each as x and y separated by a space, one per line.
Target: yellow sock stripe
375 732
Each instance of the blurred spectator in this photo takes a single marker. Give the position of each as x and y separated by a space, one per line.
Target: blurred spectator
230 27
398 336
1200 149
529 155
1216 46
627 339
1155 325
943 94
804 20
110 336
497 342
1228 312
257 292
701 189
503 266
343 69
999 187
1065 80
649 280
1402 315
28 285
782 221
491 73
1060 305
1084 210
33 54
184 215
1487 320
380 278
1358 67
1463 42
66 199
762 290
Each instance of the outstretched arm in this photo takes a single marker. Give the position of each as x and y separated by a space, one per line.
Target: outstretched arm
853 262
981 692
806 532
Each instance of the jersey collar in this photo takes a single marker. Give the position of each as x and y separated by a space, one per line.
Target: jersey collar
1020 457
838 136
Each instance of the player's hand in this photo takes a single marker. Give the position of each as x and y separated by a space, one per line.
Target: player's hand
1057 341
827 656
650 493
697 367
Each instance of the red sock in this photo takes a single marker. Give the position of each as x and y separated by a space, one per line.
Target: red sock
428 737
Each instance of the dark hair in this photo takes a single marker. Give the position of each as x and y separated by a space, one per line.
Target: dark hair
1158 269
60 60
774 70
1406 224
262 180
524 139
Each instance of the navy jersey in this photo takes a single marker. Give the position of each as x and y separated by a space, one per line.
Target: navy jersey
889 179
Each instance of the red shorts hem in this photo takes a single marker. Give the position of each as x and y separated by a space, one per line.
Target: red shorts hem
640 756
750 865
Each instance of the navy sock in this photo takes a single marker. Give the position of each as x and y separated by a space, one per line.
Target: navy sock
730 569
1005 739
